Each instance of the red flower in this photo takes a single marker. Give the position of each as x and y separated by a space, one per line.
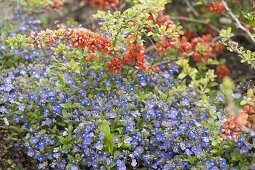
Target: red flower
222 71
200 55
105 4
56 4
217 48
162 19
189 34
115 66
216 7
91 56
81 38
185 47
165 43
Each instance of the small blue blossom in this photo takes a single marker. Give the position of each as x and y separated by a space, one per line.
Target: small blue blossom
127 139
40 158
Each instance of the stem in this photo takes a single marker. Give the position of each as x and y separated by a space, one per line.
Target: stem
252 3
195 21
239 25
191 8
165 62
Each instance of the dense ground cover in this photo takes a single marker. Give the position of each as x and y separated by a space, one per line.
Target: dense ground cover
127 84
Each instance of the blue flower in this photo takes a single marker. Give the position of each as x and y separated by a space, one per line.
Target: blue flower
131 88
166 75
32 96
74 167
159 114
129 128
223 163
188 152
49 156
30 153
244 149
138 151
127 139
175 149
42 144
99 145
220 97
21 107
17 118
108 161
52 98
40 158
133 163
26 124
239 143
56 155
174 68
185 164
86 103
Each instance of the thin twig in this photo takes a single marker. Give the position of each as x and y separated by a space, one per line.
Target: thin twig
252 3
122 6
151 47
215 39
237 21
195 21
164 62
242 78
191 8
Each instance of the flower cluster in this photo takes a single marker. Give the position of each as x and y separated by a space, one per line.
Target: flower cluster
11 54
162 19
47 38
78 37
185 46
56 4
134 55
81 38
106 4
149 123
202 48
222 71
165 42
243 120
216 7
231 129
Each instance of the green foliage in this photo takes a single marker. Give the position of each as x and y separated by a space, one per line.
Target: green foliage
250 17
108 143
135 21
245 55
20 41
31 5
202 82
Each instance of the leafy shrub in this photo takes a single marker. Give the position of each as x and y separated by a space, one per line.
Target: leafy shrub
97 119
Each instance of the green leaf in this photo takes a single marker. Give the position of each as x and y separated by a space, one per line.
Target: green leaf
243 102
214 151
250 93
108 142
73 64
104 127
182 75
